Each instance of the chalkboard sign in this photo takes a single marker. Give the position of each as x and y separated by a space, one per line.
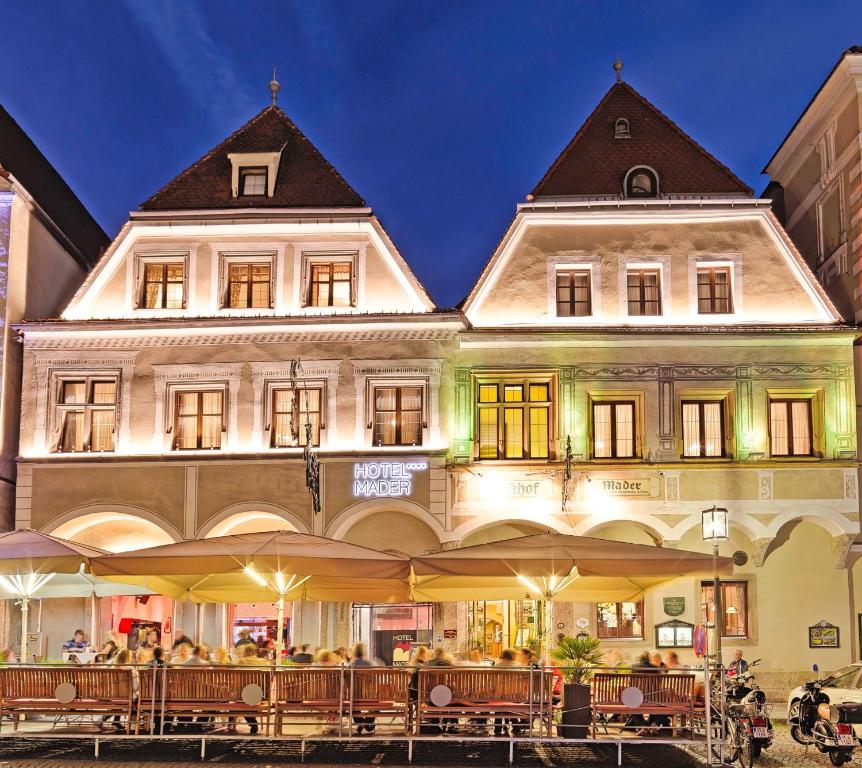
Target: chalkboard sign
674 606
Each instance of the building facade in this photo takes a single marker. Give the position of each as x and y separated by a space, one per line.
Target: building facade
643 313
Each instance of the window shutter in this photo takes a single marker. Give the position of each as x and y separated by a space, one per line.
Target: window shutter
354 268
57 433
138 298
305 285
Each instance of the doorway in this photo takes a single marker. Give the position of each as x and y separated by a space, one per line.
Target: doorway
392 631
497 624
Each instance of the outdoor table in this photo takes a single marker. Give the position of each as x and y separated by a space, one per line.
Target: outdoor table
80 657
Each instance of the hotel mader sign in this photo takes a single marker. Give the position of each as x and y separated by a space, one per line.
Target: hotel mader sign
379 479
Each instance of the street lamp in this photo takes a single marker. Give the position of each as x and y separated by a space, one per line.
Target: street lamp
715 530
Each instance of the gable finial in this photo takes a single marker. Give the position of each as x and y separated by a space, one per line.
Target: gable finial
274 87
618 68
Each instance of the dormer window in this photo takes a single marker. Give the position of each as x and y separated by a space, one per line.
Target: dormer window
253 174
641 182
621 129
252 182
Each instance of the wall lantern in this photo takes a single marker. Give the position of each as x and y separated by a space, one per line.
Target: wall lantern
714 522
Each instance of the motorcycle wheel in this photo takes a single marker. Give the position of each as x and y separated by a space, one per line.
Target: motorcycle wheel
838 756
746 752
798 737
731 745
756 748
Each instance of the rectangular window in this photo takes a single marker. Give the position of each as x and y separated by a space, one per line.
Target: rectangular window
614 430
252 181
198 420
398 416
644 292
292 411
703 429
713 291
86 414
516 426
331 284
831 235
619 620
734 607
249 286
574 297
790 427
164 285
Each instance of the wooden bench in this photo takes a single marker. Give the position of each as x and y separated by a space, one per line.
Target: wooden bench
378 692
202 691
479 694
98 691
310 692
668 694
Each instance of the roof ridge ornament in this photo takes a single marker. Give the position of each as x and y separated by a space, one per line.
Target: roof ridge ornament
618 68
274 87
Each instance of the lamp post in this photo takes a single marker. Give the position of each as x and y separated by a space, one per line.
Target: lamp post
715 530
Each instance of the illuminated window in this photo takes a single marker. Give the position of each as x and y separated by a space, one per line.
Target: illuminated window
398 416
164 285
615 620
643 292
790 427
252 181
734 607
331 284
518 426
573 293
86 414
614 430
249 286
198 420
713 291
292 411
703 429
641 182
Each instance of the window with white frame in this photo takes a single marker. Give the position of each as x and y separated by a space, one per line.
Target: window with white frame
614 429
198 419
714 290
253 181
86 413
790 427
702 428
162 283
397 417
292 411
330 280
574 292
248 284
643 291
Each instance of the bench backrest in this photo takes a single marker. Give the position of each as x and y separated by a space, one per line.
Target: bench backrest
40 682
378 684
483 685
657 687
296 684
204 684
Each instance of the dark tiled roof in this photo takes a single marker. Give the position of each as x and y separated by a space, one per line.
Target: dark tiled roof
21 158
595 163
305 178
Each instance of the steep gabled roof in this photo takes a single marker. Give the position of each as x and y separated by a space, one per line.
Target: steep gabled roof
21 158
305 177
595 162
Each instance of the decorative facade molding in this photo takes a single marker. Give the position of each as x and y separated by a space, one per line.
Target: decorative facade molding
759 548
841 548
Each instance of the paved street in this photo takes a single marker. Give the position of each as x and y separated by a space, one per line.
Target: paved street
235 754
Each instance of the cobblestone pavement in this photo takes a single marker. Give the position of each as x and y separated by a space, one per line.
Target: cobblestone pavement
785 753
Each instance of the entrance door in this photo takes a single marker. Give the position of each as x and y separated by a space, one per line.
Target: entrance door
392 631
497 624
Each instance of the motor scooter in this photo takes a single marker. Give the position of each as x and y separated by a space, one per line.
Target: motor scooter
829 727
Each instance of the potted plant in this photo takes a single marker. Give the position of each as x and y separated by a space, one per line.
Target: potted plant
577 657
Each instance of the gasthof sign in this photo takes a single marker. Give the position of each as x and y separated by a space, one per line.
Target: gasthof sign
379 479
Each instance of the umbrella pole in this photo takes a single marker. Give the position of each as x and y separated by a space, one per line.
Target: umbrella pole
25 613
94 621
279 638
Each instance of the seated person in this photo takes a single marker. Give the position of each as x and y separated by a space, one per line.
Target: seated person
77 643
738 666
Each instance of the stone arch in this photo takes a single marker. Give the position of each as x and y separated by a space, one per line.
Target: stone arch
393 528
655 528
477 524
348 517
749 525
133 527
832 522
246 514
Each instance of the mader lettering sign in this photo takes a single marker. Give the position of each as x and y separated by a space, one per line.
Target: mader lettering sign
642 486
379 479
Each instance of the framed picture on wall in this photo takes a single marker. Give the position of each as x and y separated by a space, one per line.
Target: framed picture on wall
823 635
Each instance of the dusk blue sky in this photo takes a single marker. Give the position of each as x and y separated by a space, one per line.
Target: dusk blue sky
442 115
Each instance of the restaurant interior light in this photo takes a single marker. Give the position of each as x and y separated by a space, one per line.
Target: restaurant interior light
714 523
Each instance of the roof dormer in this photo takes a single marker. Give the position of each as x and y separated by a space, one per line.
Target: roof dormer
253 174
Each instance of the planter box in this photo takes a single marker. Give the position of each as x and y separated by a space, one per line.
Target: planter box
577 713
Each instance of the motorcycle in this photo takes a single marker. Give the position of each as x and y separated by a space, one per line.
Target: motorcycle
748 729
827 727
